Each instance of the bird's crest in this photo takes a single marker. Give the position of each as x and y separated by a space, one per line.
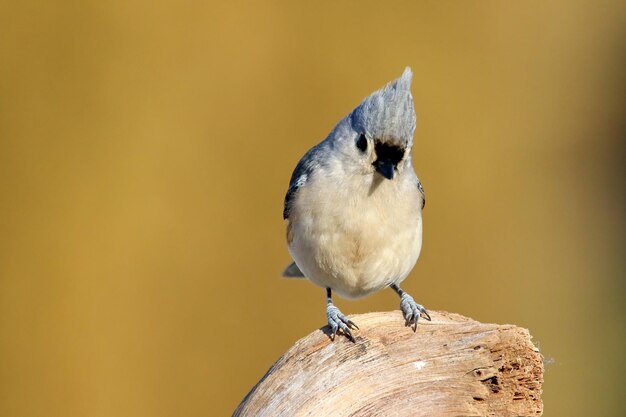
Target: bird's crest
387 115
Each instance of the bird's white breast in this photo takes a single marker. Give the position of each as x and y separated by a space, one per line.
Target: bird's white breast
357 236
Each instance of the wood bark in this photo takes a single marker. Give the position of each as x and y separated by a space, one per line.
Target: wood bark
450 366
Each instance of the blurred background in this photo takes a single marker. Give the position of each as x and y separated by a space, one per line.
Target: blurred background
146 147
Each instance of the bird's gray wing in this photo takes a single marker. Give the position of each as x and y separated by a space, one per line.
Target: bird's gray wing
298 179
302 174
420 187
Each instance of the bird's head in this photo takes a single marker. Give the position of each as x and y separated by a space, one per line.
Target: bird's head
378 135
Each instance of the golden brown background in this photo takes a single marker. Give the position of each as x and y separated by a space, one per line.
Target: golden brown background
145 149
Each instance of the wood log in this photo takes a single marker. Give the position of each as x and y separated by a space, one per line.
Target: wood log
450 366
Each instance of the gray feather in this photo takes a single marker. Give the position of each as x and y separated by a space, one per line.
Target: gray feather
301 175
292 271
388 114
420 187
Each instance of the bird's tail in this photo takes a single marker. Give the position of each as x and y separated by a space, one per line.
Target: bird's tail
292 271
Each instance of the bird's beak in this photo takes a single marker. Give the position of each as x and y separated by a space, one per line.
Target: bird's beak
385 168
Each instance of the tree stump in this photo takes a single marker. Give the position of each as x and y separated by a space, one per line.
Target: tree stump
450 366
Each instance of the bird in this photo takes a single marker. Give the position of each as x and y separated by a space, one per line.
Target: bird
354 206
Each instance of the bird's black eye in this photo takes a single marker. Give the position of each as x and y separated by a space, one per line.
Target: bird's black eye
361 142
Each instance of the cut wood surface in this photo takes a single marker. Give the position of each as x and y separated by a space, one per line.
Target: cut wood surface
451 366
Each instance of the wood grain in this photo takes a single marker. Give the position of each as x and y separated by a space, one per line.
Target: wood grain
451 366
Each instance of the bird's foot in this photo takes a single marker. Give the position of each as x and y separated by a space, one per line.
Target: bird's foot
337 320
412 311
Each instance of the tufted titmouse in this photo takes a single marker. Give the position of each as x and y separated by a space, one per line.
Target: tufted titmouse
354 205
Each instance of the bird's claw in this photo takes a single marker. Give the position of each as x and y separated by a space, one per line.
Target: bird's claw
337 320
412 311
